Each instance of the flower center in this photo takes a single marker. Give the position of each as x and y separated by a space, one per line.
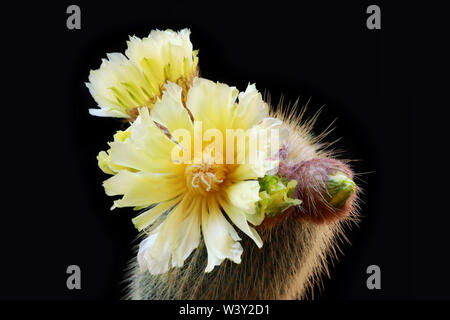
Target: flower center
204 178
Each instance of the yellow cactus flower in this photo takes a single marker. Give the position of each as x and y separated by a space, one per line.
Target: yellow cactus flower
187 201
125 82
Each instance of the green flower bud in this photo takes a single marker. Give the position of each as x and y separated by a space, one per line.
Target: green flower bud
339 187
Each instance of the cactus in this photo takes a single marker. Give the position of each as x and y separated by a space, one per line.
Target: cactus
298 242
299 202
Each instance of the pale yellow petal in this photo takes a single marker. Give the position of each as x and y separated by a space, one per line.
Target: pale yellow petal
146 218
127 154
250 110
248 171
141 189
151 143
143 258
163 55
103 162
220 238
212 103
238 217
187 238
159 255
244 195
268 138
118 86
274 136
109 112
170 112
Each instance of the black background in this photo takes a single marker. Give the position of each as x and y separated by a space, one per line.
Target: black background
382 85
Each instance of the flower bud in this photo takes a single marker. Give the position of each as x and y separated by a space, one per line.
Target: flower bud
325 186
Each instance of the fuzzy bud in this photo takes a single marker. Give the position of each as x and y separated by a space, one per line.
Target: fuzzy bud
324 185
